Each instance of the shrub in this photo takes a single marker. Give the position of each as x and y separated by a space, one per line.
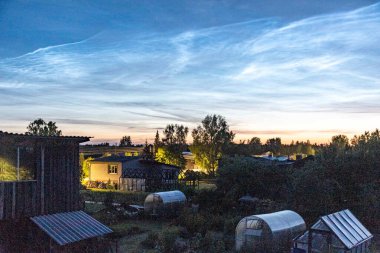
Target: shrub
167 240
151 240
213 243
109 199
194 223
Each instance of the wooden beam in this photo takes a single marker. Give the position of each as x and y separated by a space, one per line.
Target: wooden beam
13 200
42 179
2 200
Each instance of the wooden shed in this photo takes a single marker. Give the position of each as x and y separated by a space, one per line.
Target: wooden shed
39 179
46 175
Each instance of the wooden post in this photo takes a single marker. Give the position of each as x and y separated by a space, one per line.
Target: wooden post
2 200
13 200
42 180
18 163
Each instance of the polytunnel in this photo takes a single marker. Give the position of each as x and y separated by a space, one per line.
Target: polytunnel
272 232
169 203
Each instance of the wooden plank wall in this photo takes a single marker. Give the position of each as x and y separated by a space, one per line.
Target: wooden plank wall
56 188
61 179
17 199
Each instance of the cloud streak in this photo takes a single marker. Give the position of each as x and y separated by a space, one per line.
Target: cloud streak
259 74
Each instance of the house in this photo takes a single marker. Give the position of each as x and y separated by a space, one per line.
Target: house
134 173
108 168
190 162
39 194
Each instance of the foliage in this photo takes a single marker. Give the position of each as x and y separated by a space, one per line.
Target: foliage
151 240
157 142
99 195
170 149
40 127
274 145
8 172
238 176
85 166
125 141
341 176
109 199
209 140
147 153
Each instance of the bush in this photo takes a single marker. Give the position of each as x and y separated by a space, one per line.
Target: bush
151 240
230 225
109 199
194 223
213 243
167 240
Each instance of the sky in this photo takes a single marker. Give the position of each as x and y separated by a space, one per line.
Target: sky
295 69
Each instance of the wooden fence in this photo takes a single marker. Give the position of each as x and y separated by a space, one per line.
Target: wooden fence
18 199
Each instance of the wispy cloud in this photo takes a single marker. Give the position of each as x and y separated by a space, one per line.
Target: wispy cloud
259 73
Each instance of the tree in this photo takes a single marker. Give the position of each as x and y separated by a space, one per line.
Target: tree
40 127
340 142
255 145
147 153
157 142
209 140
172 145
125 141
274 145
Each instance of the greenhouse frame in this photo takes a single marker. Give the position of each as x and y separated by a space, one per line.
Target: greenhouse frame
169 203
272 232
340 232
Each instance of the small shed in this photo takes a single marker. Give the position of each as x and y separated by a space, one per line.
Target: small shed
340 232
270 232
169 203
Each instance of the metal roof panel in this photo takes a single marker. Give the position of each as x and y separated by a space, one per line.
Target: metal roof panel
349 230
65 228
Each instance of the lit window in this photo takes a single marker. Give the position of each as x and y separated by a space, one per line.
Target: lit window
112 169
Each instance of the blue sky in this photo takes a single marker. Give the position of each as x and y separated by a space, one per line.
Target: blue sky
297 70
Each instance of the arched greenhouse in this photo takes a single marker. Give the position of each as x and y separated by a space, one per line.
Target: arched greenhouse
168 203
272 232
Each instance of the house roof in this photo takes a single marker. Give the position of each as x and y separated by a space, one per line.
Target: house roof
349 230
65 228
138 167
71 138
115 158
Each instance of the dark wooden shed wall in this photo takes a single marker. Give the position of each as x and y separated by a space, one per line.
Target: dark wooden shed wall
56 185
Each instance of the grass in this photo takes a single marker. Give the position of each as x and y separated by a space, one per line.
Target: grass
132 243
206 186
99 195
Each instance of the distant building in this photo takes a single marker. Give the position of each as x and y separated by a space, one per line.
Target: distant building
134 173
99 151
190 162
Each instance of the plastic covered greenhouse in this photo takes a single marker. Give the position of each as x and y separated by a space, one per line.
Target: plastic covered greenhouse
168 203
272 232
339 232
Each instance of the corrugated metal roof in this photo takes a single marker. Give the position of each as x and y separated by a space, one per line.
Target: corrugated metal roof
78 138
282 220
65 228
349 230
171 196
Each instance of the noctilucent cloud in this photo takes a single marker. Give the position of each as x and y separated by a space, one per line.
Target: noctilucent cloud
294 69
